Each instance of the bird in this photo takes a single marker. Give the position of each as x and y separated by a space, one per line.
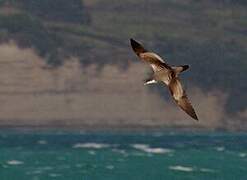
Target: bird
163 72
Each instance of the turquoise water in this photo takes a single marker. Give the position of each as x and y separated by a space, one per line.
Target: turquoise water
121 156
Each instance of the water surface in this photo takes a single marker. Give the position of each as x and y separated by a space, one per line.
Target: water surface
67 155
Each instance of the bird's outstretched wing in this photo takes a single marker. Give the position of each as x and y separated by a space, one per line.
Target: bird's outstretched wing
156 62
181 98
137 47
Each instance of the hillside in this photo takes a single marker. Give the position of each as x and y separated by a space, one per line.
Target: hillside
208 35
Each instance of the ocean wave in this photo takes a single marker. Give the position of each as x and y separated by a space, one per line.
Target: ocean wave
64 166
61 158
42 142
4 166
34 172
91 145
14 162
221 148
79 165
242 155
190 169
54 175
181 168
110 167
120 151
158 134
91 152
206 170
148 149
46 168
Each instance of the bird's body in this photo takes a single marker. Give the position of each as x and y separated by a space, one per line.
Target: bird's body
166 74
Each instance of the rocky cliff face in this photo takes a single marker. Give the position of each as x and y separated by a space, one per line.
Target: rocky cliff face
32 94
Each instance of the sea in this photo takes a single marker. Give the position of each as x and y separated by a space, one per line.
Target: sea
156 155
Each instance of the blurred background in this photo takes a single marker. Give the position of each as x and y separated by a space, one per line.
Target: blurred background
69 63
73 103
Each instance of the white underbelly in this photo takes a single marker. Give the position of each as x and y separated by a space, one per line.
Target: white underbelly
163 76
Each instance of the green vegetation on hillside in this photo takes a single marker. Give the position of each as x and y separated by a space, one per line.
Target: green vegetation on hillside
57 10
28 24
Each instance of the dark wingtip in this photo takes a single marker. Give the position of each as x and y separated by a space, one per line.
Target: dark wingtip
131 40
134 43
195 117
185 67
137 47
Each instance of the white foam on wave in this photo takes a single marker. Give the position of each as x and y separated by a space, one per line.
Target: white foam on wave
34 172
54 175
206 170
120 151
110 167
14 162
190 169
64 166
121 160
181 168
91 152
46 168
61 158
242 155
148 149
79 165
221 148
91 145
42 142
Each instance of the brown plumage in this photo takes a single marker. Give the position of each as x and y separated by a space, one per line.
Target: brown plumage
181 98
166 74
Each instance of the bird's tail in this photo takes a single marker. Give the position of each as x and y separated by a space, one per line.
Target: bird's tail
179 69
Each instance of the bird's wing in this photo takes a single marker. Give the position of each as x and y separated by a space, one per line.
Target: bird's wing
156 62
137 47
181 98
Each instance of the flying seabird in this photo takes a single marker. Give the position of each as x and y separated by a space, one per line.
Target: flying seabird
166 74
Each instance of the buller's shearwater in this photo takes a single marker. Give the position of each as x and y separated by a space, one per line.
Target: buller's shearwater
166 74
